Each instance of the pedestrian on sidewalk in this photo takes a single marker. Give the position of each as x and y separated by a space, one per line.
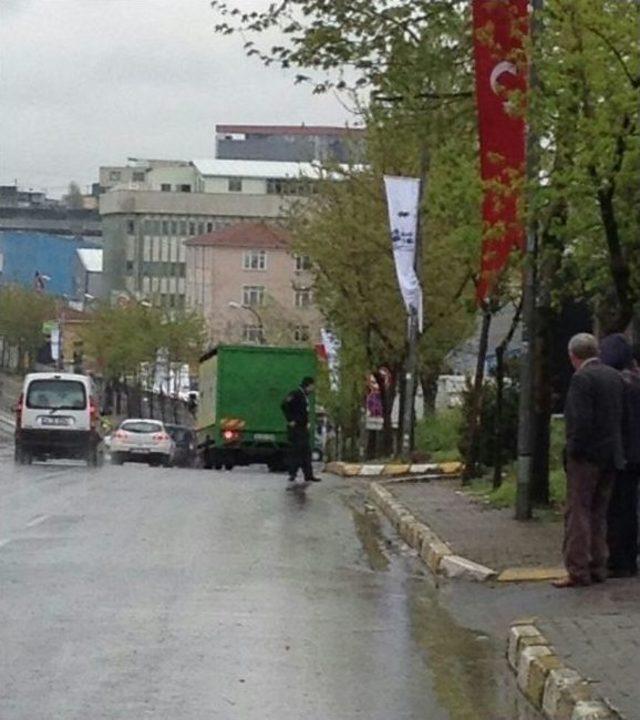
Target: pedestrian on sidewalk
622 518
594 452
296 411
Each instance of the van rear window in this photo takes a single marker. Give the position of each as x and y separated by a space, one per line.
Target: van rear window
56 394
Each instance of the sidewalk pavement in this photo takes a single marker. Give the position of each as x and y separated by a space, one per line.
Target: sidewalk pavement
477 531
594 631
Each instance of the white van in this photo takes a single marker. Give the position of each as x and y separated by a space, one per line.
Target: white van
57 417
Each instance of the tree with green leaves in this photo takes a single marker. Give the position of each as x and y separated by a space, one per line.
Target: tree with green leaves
586 114
121 341
22 314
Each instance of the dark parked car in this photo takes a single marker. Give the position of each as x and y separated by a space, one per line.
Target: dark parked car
186 444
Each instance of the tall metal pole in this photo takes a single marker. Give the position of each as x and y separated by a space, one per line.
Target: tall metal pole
413 330
526 413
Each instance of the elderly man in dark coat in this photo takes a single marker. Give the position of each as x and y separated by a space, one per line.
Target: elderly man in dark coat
622 521
594 452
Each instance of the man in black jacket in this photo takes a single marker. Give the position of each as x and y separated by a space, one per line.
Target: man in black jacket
594 452
296 411
622 520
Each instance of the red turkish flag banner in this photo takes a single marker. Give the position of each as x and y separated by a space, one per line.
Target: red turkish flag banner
500 28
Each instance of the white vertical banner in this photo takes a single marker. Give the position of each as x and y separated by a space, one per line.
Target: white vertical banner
403 197
332 349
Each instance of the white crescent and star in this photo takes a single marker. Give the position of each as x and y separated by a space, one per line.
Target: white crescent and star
502 67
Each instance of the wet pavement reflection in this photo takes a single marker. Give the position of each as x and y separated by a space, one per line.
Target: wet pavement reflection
199 595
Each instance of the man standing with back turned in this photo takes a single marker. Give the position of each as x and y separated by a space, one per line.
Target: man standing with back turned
296 411
594 451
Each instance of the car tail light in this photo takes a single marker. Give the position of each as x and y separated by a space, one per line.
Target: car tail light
18 410
160 437
121 435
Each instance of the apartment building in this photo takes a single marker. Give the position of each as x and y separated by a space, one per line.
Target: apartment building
250 287
146 223
292 143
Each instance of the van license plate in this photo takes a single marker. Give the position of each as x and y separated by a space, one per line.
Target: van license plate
265 437
55 421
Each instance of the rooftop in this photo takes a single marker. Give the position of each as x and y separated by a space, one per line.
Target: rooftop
244 235
257 168
288 130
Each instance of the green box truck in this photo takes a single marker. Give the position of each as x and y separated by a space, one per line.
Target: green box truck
241 389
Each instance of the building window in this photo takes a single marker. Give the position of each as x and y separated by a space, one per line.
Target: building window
131 227
182 270
303 298
274 186
301 333
165 187
209 227
252 295
147 227
138 176
255 260
129 267
200 228
303 262
252 334
174 227
185 188
156 227
115 175
235 185
183 228
165 227
192 228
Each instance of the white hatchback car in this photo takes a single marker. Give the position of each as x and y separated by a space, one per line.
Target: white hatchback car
142 440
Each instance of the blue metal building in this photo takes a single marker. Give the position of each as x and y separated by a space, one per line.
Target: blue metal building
22 254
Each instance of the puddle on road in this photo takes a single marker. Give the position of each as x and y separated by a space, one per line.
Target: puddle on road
369 533
470 676
471 679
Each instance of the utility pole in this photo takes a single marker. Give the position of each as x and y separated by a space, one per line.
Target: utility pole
413 326
526 412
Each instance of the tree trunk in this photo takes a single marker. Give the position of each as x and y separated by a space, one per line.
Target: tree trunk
498 454
543 405
473 446
387 394
429 383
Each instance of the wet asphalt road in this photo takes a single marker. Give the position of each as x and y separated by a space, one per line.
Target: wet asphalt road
134 593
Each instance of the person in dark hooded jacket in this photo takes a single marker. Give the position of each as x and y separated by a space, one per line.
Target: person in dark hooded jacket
622 521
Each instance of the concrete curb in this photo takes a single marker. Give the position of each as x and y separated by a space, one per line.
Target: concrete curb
7 424
342 469
557 691
438 556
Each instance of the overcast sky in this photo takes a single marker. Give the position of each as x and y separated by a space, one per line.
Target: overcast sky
85 83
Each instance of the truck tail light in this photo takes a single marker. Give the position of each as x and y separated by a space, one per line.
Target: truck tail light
230 436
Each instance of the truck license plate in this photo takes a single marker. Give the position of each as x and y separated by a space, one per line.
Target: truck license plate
265 437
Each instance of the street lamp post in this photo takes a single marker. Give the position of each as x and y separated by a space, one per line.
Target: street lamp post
237 306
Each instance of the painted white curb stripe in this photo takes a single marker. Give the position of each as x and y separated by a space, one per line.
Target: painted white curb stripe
371 470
